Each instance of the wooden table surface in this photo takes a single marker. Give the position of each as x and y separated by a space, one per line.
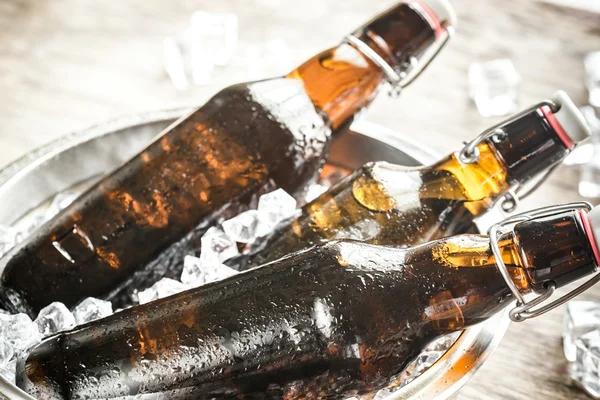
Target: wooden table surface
68 64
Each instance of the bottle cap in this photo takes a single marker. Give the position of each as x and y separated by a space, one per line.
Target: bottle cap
535 139
591 225
403 40
558 247
568 122
439 12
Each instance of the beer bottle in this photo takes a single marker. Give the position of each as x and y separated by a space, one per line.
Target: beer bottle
212 163
389 204
339 320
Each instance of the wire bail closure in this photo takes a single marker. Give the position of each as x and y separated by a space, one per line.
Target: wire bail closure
410 69
470 154
524 310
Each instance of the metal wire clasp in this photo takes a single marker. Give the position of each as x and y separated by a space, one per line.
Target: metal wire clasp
410 69
525 309
470 154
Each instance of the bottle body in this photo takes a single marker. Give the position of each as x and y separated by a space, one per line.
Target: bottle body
337 321
388 204
208 166
140 221
343 318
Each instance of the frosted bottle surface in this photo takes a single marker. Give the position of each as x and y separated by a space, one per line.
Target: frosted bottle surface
137 224
389 204
337 321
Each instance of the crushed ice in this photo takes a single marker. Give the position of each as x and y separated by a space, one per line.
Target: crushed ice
54 318
18 332
91 309
196 272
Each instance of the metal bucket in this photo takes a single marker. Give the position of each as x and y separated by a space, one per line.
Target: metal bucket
82 157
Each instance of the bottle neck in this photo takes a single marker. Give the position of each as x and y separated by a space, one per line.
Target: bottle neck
531 145
472 289
477 185
527 147
464 252
536 252
556 248
405 31
342 81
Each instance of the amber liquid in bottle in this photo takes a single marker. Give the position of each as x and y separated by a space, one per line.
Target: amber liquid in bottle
337 321
210 165
388 204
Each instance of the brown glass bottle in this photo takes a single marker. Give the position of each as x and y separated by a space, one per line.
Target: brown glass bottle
388 204
337 321
208 165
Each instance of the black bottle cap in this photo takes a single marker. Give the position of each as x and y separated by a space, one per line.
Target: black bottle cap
540 139
557 248
407 30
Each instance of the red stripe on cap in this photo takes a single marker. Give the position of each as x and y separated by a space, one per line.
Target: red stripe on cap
437 26
587 227
564 137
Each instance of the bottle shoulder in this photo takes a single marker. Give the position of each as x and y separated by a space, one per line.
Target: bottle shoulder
382 186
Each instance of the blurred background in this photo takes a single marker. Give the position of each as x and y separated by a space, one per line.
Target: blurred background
69 64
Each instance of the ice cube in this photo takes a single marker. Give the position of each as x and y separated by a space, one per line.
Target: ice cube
271 58
314 191
443 343
164 288
9 370
197 273
493 86
592 70
586 152
427 359
146 295
19 331
9 237
589 178
174 63
408 377
7 351
273 208
423 361
429 356
34 222
243 228
217 32
586 368
210 39
362 230
54 318
580 318
217 246
168 287
201 62
588 156
59 203
382 394
91 309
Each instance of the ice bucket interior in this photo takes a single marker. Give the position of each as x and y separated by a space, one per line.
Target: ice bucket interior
82 157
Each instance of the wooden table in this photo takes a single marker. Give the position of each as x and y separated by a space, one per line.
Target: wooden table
67 64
